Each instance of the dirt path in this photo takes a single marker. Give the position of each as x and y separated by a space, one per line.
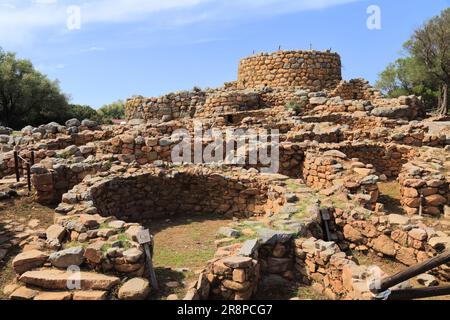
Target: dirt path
18 219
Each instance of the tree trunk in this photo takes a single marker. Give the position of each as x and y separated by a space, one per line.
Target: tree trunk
443 99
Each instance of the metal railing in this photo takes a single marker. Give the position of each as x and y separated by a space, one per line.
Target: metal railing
18 164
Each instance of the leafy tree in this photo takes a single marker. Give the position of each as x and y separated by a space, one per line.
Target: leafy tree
426 71
81 112
431 45
115 110
407 76
26 95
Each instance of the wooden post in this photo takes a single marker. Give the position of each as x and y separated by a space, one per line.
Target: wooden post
419 293
413 271
144 238
421 205
151 270
29 176
16 165
32 158
325 215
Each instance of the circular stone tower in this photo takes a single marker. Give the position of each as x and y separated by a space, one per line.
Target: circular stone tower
314 70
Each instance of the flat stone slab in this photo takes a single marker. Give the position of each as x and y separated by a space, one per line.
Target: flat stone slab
249 248
238 262
54 296
29 260
270 236
90 295
398 219
23 293
59 280
229 232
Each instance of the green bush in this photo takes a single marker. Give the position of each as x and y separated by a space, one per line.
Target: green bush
294 106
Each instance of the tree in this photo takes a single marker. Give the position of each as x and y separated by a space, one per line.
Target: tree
426 70
115 110
431 45
81 112
408 76
26 95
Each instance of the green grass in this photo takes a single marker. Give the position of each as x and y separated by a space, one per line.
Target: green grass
75 244
179 259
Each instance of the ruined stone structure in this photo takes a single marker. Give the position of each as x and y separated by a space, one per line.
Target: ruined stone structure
312 70
338 142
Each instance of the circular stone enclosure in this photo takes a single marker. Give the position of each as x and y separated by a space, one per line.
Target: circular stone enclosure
149 196
313 70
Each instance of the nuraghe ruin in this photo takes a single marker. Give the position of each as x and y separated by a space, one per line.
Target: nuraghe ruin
337 141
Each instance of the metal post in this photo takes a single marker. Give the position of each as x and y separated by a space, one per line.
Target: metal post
32 157
29 176
16 165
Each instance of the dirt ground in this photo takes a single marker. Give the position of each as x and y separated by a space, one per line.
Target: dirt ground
183 245
20 211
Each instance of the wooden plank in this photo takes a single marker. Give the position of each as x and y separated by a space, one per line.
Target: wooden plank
419 293
412 271
16 165
151 270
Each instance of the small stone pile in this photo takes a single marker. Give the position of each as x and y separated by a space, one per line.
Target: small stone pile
230 278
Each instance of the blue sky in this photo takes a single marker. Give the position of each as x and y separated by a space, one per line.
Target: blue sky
147 47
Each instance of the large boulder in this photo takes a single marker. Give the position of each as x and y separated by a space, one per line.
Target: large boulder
134 289
89 124
5 130
392 112
73 123
67 258
384 245
55 232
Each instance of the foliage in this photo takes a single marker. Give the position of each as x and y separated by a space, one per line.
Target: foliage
425 71
26 95
115 110
82 112
294 106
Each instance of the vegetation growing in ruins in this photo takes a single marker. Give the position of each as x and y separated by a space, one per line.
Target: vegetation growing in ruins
426 70
294 106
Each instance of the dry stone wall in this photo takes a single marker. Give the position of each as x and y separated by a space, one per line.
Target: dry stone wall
313 70
424 184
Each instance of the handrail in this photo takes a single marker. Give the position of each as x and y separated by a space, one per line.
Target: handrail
411 272
28 164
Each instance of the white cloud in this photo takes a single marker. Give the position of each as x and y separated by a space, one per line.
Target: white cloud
21 20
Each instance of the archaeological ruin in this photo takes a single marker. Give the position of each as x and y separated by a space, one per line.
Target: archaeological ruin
341 147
